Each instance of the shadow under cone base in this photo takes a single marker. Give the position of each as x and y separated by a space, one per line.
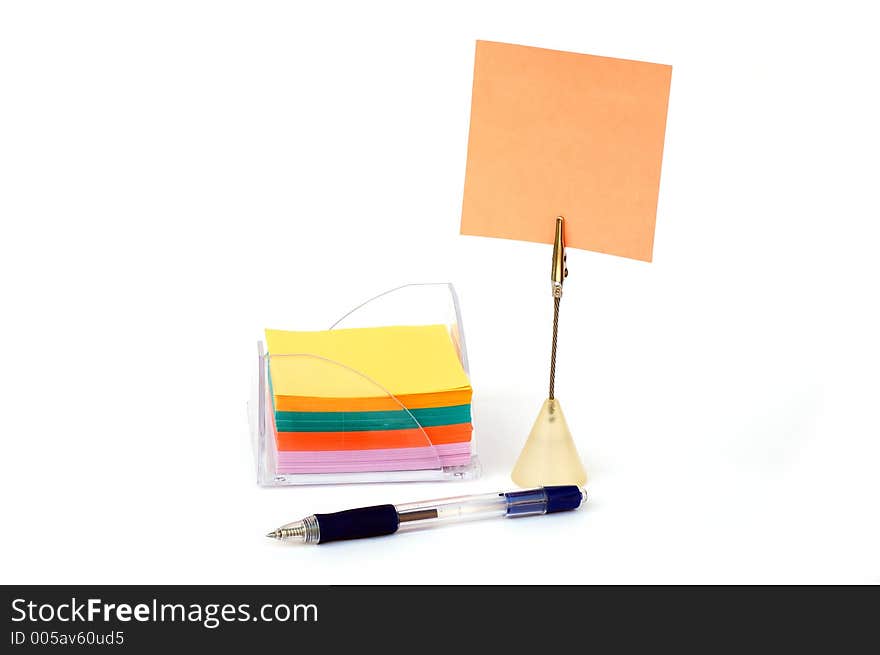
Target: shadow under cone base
549 456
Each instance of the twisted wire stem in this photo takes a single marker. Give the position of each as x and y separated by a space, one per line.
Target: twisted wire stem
553 349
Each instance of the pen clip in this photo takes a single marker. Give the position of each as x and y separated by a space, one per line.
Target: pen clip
559 270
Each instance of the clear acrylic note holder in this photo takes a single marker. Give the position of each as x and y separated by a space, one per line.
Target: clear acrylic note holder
371 435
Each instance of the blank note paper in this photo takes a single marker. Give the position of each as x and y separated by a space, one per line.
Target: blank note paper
563 134
368 399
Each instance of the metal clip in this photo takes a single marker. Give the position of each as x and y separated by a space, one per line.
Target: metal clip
559 270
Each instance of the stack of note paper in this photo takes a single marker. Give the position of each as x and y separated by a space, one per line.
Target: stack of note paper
369 399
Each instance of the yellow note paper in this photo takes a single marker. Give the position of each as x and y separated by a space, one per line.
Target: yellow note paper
400 360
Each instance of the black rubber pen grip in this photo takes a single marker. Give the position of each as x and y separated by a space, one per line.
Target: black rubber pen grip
357 523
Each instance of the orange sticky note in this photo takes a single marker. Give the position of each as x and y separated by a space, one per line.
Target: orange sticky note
564 134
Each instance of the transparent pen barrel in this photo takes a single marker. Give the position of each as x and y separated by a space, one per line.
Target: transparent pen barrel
451 510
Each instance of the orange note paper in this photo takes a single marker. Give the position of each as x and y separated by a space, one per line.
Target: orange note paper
564 134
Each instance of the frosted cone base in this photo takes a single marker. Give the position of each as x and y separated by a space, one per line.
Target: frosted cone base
549 456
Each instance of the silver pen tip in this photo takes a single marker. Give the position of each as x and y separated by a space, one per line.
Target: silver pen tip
305 531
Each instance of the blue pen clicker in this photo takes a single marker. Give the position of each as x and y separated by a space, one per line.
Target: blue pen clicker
388 519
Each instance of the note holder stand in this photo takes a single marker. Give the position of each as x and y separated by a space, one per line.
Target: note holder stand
549 456
308 444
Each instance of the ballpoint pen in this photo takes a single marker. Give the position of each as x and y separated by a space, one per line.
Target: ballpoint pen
388 519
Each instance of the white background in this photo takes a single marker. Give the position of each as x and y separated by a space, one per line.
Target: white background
175 176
